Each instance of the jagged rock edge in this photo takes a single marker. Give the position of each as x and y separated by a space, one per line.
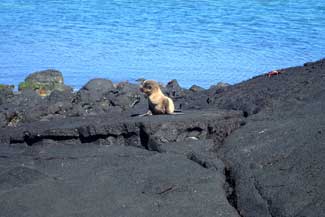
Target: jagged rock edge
146 143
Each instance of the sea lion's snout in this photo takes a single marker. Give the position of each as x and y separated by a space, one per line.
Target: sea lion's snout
146 88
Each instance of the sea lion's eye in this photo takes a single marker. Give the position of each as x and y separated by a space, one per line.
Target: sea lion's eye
149 87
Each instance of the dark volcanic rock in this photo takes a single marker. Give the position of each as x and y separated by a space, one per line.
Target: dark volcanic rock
174 90
128 96
90 99
263 92
251 149
65 180
6 91
23 107
28 106
46 76
125 96
137 131
44 82
219 86
95 89
60 103
277 159
195 88
58 96
3 120
99 85
65 168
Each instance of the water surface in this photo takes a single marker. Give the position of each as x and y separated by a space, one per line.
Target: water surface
197 42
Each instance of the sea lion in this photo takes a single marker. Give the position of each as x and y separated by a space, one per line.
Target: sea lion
158 102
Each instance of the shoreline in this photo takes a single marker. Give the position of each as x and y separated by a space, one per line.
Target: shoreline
14 87
133 80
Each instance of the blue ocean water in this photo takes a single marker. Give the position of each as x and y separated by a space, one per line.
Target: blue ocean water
195 41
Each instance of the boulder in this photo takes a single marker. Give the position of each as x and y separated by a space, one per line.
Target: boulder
127 96
123 96
27 97
174 90
6 91
140 80
219 85
90 100
44 82
49 76
59 96
98 85
94 90
196 88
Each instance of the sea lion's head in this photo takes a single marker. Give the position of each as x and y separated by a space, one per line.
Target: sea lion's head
149 87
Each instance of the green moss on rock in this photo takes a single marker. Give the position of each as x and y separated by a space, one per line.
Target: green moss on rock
44 82
30 85
5 86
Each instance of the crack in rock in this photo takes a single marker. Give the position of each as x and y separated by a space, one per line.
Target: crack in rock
267 201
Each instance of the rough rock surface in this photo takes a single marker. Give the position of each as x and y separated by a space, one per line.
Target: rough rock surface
146 132
251 149
65 180
6 91
276 160
106 166
95 89
278 163
46 76
46 80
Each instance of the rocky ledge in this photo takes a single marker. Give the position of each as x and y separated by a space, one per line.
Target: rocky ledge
251 149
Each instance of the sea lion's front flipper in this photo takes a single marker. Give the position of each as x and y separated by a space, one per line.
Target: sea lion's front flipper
145 114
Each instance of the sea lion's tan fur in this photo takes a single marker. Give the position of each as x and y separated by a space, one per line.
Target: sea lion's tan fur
158 102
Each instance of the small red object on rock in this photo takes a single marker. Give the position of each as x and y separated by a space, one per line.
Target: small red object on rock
272 73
